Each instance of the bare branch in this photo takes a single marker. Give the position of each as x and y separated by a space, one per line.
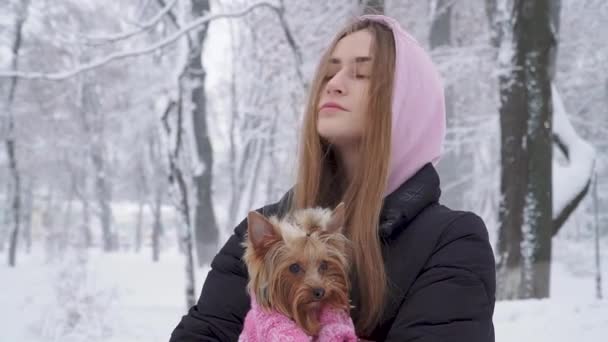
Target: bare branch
62 75
98 39
141 8
291 41
171 15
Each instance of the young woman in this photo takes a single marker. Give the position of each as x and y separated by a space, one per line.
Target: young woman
373 132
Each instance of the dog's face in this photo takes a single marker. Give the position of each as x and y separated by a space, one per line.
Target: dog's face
299 264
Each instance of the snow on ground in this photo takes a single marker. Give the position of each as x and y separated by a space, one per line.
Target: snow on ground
551 320
572 314
124 297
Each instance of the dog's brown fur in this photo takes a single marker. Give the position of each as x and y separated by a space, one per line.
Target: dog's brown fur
312 239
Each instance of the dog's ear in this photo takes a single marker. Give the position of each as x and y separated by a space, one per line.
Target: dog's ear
260 231
336 223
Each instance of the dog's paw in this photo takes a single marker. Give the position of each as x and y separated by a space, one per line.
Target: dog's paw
336 326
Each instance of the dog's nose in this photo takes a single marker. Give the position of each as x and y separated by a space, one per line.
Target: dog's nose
318 293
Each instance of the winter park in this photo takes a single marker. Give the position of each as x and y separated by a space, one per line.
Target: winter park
139 137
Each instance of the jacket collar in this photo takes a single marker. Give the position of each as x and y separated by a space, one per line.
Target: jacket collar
402 205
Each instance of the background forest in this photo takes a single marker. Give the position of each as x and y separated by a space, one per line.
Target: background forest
136 134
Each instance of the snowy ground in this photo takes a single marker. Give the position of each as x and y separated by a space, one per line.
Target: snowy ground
125 297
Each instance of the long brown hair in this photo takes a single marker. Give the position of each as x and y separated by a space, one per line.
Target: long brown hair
321 181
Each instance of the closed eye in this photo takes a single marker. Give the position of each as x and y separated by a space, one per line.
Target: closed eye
329 77
357 76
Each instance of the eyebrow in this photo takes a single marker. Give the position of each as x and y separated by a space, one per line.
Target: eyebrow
360 59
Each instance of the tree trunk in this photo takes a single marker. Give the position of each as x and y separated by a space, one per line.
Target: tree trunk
236 187
102 193
525 214
176 179
27 216
138 226
5 221
255 169
78 176
372 6
598 266
440 33
86 222
142 192
441 36
48 224
157 228
16 203
205 227
271 187
11 141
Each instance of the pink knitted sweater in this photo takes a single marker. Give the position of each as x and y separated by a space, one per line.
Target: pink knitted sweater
271 326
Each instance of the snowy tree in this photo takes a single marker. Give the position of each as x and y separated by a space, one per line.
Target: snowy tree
193 84
8 131
535 202
525 233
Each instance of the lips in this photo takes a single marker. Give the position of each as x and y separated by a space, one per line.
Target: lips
332 105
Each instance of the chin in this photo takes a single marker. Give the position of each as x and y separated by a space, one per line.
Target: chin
338 138
332 132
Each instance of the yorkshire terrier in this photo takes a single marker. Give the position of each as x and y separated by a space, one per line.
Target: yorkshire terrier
299 264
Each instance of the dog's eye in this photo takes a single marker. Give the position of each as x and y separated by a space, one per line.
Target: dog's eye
294 268
323 266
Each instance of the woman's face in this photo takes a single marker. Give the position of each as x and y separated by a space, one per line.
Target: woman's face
343 99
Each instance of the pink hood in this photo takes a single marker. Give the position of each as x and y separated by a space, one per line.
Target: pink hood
418 108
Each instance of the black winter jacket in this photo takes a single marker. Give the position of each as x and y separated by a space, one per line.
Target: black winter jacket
439 264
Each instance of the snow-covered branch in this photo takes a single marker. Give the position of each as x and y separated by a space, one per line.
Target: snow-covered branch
291 41
96 39
570 181
62 75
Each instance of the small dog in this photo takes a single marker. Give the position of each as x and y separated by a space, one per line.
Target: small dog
298 267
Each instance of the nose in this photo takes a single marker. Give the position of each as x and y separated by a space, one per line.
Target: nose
318 293
335 85
331 89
